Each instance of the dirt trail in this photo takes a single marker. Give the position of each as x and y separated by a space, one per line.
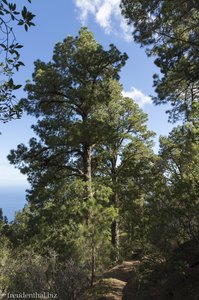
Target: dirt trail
115 284
124 273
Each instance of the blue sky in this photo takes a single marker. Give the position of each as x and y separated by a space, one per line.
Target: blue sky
54 21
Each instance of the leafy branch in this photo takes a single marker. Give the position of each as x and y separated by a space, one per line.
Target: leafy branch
10 56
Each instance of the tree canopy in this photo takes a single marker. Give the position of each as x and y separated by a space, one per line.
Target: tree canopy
170 33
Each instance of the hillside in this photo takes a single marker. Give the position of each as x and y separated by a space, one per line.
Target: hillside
152 278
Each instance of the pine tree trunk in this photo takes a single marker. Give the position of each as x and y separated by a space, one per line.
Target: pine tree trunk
93 265
115 239
87 149
115 225
87 169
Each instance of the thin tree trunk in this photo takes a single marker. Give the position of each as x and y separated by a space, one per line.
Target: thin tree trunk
87 149
115 225
87 169
93 265
115 239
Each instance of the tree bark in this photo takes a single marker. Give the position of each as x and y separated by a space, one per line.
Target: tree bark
115 239
87 169
93 265
115 224
87 149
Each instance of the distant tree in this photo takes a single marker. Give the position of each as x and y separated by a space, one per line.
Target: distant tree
127 140
137 176
1 215
10 56
170 31
174 203
4 225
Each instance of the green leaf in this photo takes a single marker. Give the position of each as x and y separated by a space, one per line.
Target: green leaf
18 46
24 12
16 87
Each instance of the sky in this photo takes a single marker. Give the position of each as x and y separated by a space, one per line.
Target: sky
54 21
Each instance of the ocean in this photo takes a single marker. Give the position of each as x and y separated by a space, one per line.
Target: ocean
12 200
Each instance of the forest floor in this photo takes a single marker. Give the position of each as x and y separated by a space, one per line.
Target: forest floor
115 284
152 277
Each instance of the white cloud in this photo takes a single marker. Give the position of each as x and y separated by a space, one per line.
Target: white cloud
107 14
138 96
